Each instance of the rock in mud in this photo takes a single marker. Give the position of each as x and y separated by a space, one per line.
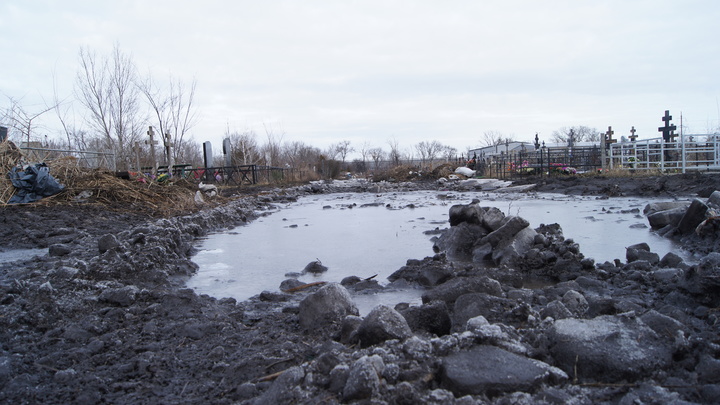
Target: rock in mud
655 207
608 348
492 371
471 305
468 213
661 219
315 267
123 297
454 288
429 272
433 317
511 249
694 215
285 389
107 242
381 324
326 307
510 228
59 249
703 279
364 378
458 241
641 251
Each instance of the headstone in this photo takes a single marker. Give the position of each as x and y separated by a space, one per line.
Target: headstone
3 134
169 158
227 152
207 154
633 137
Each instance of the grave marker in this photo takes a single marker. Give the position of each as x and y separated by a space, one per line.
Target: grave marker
633 137
667 129
152 142
608 137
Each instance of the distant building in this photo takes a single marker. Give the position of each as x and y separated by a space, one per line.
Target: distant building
516 148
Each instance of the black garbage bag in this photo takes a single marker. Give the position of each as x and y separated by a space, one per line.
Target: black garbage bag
33 183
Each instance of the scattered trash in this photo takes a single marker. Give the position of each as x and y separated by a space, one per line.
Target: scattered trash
465 171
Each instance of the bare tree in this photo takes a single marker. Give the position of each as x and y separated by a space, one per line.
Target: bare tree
580 133
299 155
189 152
245 150
173 107
495 138
271 150
449 153
106 87
22 120
365 150
394 153
377 154
428 151
343 148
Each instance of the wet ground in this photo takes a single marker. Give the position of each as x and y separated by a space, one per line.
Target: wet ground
104 318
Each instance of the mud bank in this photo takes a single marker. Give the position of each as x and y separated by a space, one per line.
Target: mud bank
103 318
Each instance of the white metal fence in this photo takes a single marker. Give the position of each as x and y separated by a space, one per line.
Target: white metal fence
688 152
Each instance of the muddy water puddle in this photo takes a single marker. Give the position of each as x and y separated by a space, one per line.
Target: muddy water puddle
8 256
375 234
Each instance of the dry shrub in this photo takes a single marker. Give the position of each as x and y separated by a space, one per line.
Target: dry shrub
444 170
97 186
10 157
397 173
103 187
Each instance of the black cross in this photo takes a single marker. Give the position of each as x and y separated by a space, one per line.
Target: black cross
608 136
667 129
633 137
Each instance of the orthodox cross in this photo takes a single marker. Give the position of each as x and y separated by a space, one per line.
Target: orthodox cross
608 136
152 142
668 130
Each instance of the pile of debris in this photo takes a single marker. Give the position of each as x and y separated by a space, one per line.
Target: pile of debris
10 157
97 186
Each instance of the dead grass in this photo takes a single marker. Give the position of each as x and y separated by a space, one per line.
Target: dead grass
10 156
102 187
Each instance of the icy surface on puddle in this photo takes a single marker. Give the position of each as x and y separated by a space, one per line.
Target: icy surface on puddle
20 254
368 234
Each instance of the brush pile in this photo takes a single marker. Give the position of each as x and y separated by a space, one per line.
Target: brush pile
10 156
102 187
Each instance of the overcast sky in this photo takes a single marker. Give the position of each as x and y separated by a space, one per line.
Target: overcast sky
370 71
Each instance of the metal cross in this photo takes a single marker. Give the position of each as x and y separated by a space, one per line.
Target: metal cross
667 130
633 137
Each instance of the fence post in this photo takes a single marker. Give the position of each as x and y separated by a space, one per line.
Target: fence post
682 149
662 155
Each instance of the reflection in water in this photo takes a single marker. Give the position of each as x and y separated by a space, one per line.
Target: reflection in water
367 234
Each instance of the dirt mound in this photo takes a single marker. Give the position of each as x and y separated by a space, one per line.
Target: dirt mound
412 173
